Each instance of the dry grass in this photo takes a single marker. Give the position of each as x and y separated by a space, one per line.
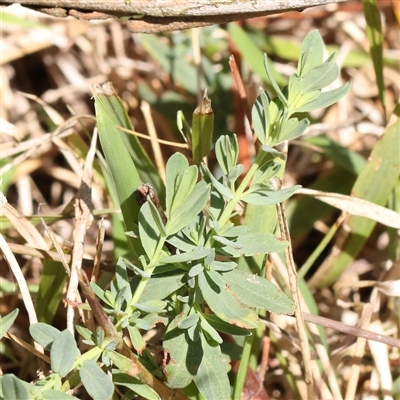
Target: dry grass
48 66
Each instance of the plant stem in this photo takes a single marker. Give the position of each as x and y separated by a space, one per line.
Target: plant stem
242 370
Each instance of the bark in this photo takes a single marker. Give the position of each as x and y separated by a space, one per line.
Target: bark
164 15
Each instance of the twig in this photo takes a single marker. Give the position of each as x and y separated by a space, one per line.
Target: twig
83 220
145 107
294 289
351 330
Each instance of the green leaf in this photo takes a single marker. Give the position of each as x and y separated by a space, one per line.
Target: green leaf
63 353
189 321
220 187
212 378
137 339
189 256
122 279
325 99
123 169
223 326
319 77
311 53
52 281
256 291
263 195
51 394
202 129
7 321
375 38
134 384
294 130
14 388
225 304
161 286
43 334
227 152
185 355
274 84
97 383
181 180
148 230
260 116
188 211
375 183
255 243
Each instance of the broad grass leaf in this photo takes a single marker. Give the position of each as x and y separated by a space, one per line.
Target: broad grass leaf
7 321
225 304
43 334
311 53
148 230
212 378
97 383
135 385
256 291
63 353
52 281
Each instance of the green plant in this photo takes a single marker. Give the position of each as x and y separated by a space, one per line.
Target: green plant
181 269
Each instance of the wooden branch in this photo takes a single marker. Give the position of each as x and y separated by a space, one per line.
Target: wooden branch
164 15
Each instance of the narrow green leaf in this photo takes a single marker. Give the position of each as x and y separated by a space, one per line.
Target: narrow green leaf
375 38
252 54
137 339
52 281
188 321
256 291
212 378
274 84
123 169
296 131
319 77
148 230
135 385
188 211
97 383
311 53
189 256
7 321
325 99
220 187
260 116
227 152
375 183
264 195
161 286
223 326
202 129
122 279
51 394
63 353
225 304
255 243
